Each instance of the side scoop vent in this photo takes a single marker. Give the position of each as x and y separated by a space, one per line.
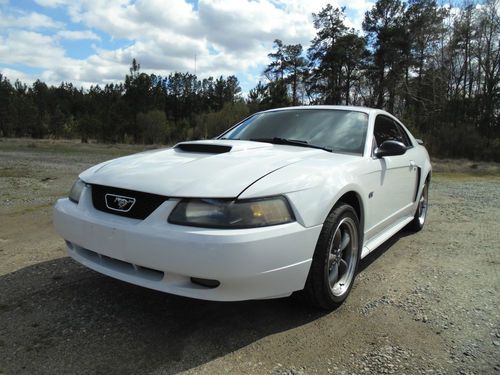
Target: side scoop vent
203 147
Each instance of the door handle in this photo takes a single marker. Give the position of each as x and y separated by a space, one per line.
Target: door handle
412 164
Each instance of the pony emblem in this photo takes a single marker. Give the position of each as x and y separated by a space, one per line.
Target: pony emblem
119 202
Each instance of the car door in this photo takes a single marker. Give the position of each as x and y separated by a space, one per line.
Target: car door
393 179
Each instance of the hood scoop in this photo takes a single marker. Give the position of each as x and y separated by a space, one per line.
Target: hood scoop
218 146
206 148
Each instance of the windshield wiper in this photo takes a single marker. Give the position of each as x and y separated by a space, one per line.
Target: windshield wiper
292 142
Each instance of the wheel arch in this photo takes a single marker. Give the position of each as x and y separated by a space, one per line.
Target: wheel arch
353 198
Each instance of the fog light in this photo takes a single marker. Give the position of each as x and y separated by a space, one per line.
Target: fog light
205 282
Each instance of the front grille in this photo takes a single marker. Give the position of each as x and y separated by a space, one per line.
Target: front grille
143 203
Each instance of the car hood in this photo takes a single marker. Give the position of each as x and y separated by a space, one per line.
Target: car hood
210 169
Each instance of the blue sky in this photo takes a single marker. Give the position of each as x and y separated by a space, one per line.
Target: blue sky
90 42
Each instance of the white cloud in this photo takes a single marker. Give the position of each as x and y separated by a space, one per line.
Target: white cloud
13 75
31 49
77 35
41 51
30 21
227 36
50 3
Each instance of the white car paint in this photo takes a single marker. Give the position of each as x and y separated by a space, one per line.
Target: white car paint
250 263
181 174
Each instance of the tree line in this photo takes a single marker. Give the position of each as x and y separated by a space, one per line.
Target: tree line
144 109
436 68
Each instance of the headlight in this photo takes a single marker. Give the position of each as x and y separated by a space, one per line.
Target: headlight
76 191
232 214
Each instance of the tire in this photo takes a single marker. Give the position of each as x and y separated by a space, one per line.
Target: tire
335 259
420 217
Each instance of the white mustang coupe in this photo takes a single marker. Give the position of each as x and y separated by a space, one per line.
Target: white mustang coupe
287 200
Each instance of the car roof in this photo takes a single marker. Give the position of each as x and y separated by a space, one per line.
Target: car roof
366 110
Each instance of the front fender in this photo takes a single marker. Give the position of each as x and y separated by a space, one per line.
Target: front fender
312 188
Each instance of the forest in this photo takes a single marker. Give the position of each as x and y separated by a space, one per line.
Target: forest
437 68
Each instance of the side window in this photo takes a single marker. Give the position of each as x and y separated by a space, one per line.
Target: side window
386 129
404 136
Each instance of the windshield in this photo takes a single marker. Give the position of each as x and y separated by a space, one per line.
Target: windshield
337 130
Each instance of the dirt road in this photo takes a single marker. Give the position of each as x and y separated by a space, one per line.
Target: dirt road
423 303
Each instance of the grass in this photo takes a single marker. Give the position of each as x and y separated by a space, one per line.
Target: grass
30 209
70 147
459 176
14 172
461 167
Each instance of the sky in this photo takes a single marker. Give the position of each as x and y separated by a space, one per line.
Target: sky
89 42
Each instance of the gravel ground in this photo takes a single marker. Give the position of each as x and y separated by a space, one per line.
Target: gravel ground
425 303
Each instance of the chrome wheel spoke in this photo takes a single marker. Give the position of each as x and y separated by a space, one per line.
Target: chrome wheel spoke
333 276
346 239
344 264
337 238
331 260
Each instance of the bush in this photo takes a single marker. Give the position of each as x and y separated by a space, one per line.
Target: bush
212 124
153 126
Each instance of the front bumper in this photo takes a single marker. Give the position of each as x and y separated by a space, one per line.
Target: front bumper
249 263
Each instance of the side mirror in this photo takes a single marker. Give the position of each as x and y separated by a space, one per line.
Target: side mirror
390 148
